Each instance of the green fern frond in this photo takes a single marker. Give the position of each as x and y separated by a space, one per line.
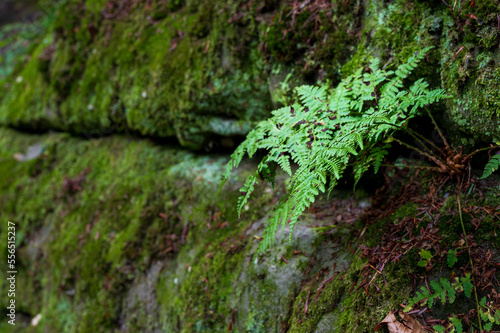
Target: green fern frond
246 191
284 163
312 97
374 156
326 129
488 314
377 156
492 166
456 323
443 290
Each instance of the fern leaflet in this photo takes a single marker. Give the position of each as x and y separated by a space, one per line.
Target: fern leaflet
492 166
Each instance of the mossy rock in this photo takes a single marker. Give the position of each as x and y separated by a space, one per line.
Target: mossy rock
464 60
118 233
158 70
123 234
199 71
470 72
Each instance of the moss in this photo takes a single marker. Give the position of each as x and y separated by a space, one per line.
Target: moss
476 109
89 74
352 310
318 39
471 75
90 242
84 248
205 291
395 31
94 219
91 78
97 215
358 60
408 209
159 72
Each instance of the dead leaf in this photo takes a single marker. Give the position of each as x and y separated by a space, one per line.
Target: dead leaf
393 324
175 41
412 323
409 324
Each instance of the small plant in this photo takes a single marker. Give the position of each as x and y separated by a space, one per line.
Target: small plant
444 290
451 258
426 257
325 131
454 326
492 165
488 317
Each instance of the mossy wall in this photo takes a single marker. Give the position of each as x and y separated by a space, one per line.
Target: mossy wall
198 70
157 68
92 220
120 233
103 246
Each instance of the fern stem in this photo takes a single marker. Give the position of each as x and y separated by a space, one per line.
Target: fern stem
482 149
437 128
427 149
470 259
424 138
430 157
385 123
407 166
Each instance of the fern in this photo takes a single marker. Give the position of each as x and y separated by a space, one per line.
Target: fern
327 128
455 326
492 166
451 258
374 157
246 190
488 315
426 258
443 290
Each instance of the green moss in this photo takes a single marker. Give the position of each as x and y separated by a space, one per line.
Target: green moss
164 78
319 40
92 242
84 251
471 75
94 217
395 31
476 108
30 99
358 60
408 209
173 69
352 310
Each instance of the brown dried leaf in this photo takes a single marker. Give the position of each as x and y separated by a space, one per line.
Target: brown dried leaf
175 41
410 325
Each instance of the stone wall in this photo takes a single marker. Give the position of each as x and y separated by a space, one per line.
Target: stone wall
105 107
